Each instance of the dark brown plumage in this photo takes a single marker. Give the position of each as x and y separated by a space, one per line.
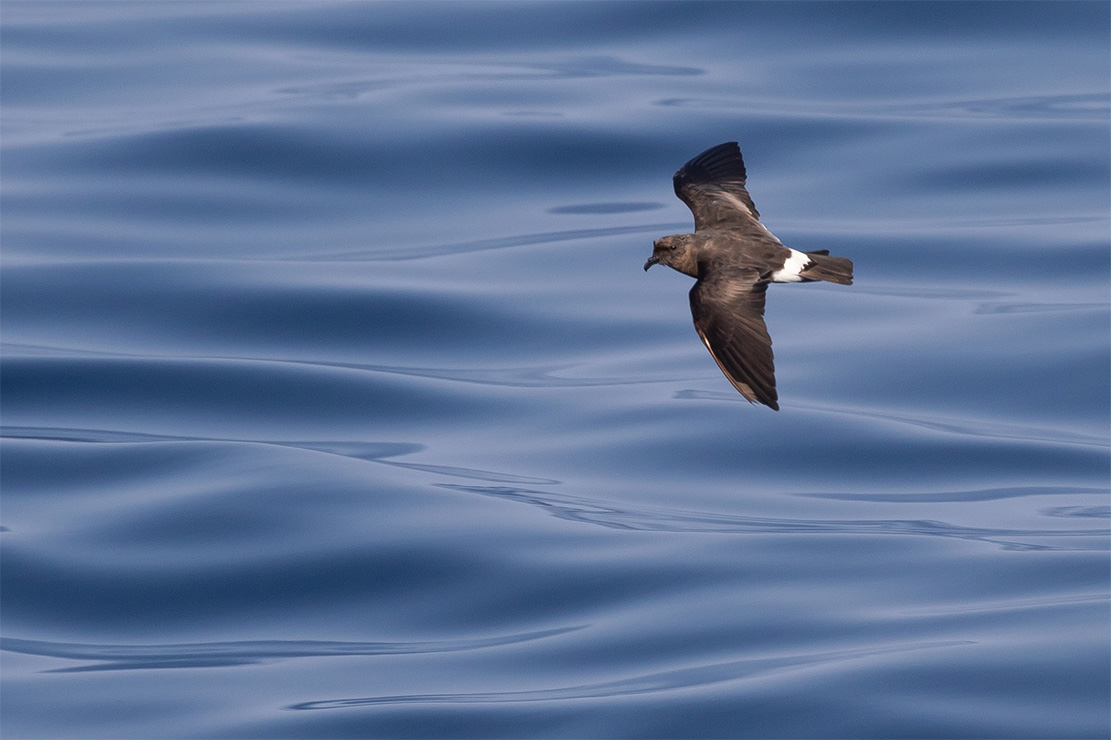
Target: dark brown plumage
734 258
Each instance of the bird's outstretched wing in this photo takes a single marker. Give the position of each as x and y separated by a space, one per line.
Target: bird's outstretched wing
713 187
728 315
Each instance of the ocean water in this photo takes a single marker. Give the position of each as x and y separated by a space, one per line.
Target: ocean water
336 403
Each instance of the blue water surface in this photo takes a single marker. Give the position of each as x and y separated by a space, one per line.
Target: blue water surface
336 403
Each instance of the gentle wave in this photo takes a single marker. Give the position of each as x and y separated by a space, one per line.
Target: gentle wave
987 494
543 376
244 652
969 426
1026 307
682 678
1078 108
608 514
484 245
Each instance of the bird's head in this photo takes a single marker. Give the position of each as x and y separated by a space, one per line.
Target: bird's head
675 251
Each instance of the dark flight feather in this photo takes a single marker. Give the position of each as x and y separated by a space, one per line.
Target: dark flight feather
713 187
728 312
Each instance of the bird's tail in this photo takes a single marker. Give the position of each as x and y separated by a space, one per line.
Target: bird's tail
831 269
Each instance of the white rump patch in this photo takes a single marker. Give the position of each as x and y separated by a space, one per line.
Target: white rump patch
790 272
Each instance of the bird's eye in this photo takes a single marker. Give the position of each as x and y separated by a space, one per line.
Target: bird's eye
672 246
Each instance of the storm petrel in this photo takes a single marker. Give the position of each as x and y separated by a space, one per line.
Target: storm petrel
734 258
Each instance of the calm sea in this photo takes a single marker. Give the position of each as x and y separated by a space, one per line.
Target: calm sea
336 403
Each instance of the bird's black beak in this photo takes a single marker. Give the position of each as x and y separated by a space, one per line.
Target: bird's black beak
653 260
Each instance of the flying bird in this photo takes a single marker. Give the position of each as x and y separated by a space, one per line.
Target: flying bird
734 258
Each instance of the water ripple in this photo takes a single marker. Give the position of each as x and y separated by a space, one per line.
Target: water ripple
486 475
681 678
605 514
1085 512
988 494
542 376
1082 108
1028 307
605 208
244 652
376 452
372 451
482 245
463 71
537 376
976 427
